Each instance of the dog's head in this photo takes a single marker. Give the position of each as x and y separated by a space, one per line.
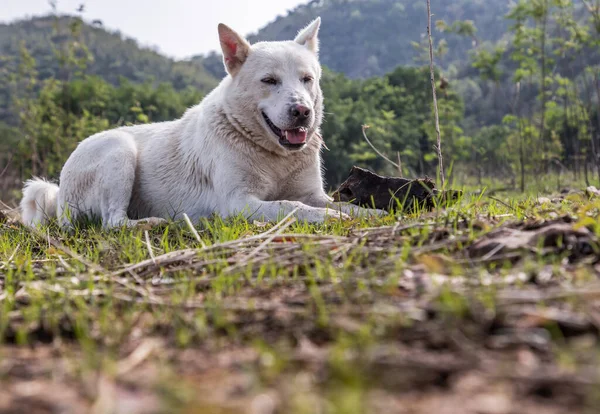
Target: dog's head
274 93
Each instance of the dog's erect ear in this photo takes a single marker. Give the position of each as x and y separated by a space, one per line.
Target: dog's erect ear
235 49
309 36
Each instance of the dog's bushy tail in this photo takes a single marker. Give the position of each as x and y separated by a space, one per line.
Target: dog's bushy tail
38 205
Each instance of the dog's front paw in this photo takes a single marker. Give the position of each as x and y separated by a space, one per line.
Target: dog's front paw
149 222
356 211
373 212
338 215
320 215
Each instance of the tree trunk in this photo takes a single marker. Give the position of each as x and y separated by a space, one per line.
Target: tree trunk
522 157
597 158
543 84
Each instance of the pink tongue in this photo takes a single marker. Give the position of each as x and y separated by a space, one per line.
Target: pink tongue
296 136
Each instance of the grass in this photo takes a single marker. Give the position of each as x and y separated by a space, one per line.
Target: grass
414 313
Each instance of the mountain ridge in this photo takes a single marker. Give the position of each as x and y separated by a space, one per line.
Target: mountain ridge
355 35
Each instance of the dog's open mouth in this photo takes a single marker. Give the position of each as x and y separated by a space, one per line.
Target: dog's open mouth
289 138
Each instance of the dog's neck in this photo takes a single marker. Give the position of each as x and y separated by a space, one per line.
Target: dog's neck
246 133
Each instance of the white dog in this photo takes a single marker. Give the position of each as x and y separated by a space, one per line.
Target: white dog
251 146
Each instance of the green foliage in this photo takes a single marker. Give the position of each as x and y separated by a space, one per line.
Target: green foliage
460 27
90 50
398 109
64 113
487 62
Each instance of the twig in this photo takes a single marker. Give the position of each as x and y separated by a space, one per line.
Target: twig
271 238
12 256
138 356
261 246
438 147
492 252
193 230
7 207
64 263
590 292
149 245
548 378
399 165
505 205
6 167
364 128
396 228
189 254
102 272
58 245
276 226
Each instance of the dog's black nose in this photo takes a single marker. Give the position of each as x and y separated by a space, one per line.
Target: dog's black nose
300 112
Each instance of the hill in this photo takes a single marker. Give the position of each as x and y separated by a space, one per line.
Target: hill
114 56
371 38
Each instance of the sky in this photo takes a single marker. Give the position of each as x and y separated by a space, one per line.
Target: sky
178 28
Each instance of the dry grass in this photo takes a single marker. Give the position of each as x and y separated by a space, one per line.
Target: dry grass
473 307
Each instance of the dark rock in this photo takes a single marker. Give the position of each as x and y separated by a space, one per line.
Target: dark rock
365 188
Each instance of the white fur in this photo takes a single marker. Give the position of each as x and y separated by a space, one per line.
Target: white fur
220 157
39 201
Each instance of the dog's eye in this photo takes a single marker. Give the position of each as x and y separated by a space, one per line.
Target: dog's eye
269 81
307 79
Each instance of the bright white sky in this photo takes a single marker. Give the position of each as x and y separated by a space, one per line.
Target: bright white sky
179 28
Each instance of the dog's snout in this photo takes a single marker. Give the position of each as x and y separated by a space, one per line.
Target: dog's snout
299 112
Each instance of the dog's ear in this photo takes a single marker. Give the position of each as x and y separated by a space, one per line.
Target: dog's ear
235 49
309 36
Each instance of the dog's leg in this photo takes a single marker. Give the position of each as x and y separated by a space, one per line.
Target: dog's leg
116 186
115 202
252 207
97 181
